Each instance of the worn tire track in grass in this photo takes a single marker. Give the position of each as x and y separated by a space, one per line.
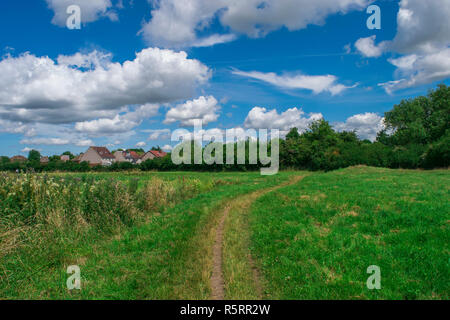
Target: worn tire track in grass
237 205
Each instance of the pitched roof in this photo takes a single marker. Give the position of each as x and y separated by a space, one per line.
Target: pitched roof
18 158
158 154
119 153
77 158
103 152
134 155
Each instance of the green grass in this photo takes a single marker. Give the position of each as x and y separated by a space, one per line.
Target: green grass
143 177
310 240
166 257
242 279
315 239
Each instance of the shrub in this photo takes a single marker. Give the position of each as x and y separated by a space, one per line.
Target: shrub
438 153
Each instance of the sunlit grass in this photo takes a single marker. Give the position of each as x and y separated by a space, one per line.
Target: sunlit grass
161 254
315 240
150 235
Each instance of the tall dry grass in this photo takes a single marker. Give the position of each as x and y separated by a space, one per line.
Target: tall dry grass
39 210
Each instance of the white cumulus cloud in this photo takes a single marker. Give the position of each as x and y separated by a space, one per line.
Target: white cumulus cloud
422 40
261 118
366 125
118 124
422 26
367 47
204 108
84 143
167 148
26 150
16 127
91 10
178 23
39 89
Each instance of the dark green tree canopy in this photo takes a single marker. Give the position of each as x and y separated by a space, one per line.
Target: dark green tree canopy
420 120
293 134
34 155
4 160
70 154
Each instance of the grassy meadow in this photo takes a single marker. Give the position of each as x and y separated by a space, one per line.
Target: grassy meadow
315 239
295 235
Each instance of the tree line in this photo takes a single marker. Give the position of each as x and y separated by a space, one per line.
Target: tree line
416 135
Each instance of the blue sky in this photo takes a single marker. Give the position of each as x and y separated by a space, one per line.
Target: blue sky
249 64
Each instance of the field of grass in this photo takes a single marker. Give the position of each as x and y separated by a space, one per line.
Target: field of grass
295 235
315 239
160 252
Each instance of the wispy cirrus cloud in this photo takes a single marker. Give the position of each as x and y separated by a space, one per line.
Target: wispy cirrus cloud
156 134
414 70
57 142
316 84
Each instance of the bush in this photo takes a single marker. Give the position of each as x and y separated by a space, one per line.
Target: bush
438 153
407 157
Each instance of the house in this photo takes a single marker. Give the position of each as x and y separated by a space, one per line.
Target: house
133 157
65 158
152 154
18 159
96 156
44 160
127 156
77 159
119 155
